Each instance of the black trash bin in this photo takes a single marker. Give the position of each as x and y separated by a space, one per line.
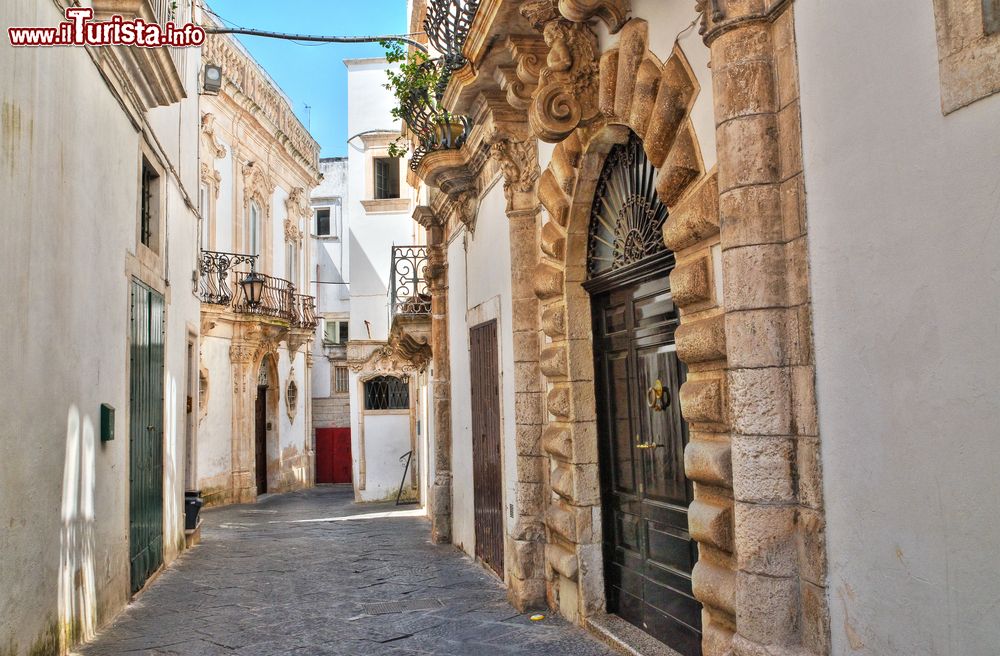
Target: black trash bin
192 506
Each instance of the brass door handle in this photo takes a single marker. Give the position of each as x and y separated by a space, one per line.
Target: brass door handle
658 397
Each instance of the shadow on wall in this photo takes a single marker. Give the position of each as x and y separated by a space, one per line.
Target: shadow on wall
77 579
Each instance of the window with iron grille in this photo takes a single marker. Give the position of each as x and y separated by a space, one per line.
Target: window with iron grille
387 393
341 383
386 177
148 205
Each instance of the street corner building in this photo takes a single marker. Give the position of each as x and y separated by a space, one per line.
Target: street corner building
710 351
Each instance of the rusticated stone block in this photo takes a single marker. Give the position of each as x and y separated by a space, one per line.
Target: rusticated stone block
767 608
809 469
702 341
527 376
760 401
744 88
561 520
562 561
528 439
695 218
804 420
561 480
716 640
674 95
752 41
553 241
525 559
554 320
754 277
751 215
763 338
558 402
557 441
531 498
552 198
766 539
632 46
528 408
812 546
608 83
702 401
592 592
790 140
682 167
584 442
548 281
531 469
526 594
793 207
763 469
748 151
691 283
644 97
554 361
709 462
815 618
563 170
581 360
711 523
714 585
586 484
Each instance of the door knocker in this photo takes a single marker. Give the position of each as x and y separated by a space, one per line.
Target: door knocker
657 397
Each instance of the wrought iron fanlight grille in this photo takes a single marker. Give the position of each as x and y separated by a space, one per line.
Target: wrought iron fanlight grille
627 217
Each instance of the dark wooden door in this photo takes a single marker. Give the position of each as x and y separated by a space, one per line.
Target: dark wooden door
486 473
260 440
145 434
333 455
648 551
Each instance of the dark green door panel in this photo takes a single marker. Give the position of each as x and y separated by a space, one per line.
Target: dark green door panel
145 434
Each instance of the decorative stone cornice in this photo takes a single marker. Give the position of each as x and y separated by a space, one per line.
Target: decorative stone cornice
378 359
614 13
261 97
208 130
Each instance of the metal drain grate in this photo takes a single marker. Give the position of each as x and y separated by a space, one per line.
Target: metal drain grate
390 607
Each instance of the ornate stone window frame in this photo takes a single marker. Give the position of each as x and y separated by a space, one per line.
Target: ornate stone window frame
257 187
967 53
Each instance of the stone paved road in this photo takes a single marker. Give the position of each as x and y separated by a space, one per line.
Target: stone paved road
288 576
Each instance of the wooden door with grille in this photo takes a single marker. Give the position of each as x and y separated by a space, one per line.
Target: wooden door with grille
145 434
486 454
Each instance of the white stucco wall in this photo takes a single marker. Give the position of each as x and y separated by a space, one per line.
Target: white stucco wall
476 293
903 208
69 192
215 456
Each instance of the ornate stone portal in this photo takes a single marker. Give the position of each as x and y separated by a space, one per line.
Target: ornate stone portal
741 282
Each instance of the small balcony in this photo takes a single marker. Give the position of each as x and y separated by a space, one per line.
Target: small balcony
221 283
409 295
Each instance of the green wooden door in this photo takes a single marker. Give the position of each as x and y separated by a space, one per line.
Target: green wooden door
146 434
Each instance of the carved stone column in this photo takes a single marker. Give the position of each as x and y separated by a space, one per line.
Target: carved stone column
439 501
242 356
518 161
780 595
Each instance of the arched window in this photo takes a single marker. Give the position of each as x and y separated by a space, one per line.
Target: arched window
387 393
627 217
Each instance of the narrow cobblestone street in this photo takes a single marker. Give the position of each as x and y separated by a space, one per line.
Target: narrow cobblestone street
290 575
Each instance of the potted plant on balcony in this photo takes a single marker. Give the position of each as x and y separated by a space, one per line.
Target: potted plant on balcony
417 87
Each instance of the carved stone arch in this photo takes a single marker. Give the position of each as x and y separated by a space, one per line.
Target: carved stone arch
653 99
257 186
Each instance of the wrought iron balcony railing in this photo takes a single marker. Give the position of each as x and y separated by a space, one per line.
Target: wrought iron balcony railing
409 294
219 284
216 269
433 127
447 24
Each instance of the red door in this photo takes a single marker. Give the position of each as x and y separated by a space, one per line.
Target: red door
333 455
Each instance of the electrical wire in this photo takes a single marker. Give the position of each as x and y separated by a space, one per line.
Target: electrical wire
318 39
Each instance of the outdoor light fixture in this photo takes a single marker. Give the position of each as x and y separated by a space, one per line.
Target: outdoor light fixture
213 79
253 288
406 379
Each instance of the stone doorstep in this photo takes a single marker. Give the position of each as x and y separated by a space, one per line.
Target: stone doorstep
625 638
193 536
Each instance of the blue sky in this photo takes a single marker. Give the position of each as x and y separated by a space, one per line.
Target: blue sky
314 74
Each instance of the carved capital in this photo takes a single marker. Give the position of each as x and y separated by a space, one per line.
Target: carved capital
518 161
257 186
242 352
614 13
465 207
